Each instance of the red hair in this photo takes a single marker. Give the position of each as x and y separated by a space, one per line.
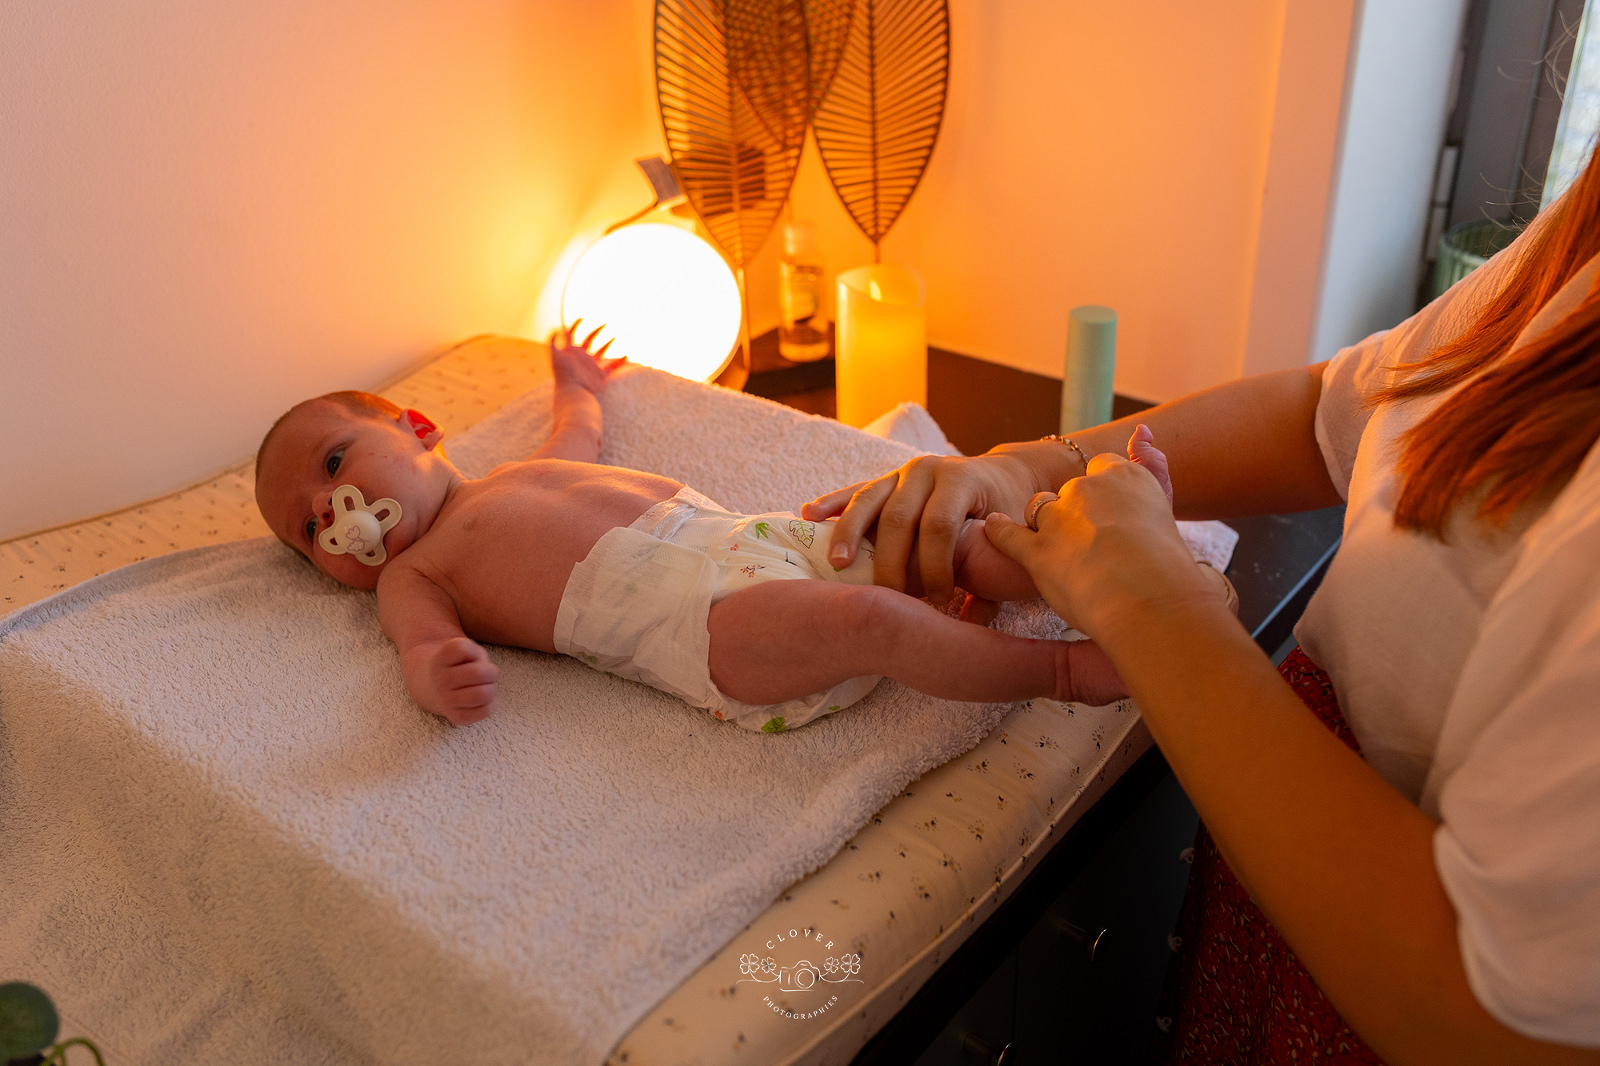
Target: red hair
1521 426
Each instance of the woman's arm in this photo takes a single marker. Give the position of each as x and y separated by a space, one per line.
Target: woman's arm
1241 448
1244 447
1338 860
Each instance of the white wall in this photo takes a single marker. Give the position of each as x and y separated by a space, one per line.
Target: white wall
1297 192
1394 126
1091 153
211 211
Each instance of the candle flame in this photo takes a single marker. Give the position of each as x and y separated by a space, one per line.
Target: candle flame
877 293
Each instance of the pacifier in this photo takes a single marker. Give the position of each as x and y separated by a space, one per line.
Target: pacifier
358 527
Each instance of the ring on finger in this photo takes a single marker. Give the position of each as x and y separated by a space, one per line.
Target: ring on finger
1036 502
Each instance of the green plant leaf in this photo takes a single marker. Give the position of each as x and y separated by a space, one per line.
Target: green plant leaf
28 1021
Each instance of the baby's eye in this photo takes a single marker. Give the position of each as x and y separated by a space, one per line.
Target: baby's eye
311 529
333 463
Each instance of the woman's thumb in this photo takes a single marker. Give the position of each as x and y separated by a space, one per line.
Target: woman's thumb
1008 536
1142 450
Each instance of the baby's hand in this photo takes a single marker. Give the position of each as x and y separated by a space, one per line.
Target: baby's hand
461 679
574 364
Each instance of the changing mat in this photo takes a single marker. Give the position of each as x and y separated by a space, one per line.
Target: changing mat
210 757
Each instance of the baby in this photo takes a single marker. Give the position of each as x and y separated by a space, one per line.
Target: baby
632 573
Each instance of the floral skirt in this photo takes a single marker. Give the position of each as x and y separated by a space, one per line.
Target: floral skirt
1237 993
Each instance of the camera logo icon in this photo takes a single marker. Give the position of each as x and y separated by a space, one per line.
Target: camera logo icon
799 977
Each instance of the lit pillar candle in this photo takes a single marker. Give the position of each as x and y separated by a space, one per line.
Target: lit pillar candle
882 357
1091 358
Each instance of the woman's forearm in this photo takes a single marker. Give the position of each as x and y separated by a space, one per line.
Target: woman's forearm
1338 860
1243 447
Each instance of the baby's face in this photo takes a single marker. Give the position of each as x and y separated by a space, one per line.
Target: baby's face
323 445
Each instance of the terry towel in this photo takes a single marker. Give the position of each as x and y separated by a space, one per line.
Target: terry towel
221 814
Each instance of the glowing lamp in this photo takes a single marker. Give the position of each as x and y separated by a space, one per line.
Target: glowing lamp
666 298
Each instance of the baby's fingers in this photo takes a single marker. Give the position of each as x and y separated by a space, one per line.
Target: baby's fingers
469 691
459 650
471 675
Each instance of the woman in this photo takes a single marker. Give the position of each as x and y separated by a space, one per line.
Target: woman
1442 887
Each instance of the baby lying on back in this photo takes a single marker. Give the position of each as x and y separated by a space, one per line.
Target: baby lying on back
632 573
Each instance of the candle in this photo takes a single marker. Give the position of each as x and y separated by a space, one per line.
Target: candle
1091 357
882 358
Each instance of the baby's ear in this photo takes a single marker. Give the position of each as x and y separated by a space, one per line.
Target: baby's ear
421 426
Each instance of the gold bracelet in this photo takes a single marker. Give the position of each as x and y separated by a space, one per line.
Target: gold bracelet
1069 442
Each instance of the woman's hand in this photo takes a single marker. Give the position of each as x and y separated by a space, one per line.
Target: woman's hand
921 508
1108 551
573 364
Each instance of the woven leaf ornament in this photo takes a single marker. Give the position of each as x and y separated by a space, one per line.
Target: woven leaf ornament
733 84
827 30
877 124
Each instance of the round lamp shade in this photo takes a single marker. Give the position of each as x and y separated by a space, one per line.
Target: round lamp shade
665 297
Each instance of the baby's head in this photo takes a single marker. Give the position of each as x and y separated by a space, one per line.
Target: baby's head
350 438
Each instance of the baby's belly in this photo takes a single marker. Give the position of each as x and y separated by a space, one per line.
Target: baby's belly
508 587
517 607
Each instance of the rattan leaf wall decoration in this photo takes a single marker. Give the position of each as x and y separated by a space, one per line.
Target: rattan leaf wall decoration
732 83
827 30
877 125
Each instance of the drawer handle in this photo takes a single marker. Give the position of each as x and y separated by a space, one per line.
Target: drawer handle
1093 941
985 1051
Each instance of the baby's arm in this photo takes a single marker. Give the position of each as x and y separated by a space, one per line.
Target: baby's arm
446 672
581 376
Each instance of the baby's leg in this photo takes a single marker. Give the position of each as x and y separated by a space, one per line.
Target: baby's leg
980 568
985 571
784 639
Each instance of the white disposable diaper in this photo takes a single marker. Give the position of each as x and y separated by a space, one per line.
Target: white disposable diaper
636 606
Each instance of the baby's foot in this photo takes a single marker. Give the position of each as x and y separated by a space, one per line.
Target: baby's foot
1142 450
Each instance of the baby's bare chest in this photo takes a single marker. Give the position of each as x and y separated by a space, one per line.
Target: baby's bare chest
506 552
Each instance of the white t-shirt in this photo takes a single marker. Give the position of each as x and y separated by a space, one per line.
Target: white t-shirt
1470 673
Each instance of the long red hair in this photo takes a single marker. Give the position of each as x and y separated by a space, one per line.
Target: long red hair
1522 426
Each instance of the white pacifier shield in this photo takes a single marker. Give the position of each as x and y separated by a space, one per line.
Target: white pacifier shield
358 527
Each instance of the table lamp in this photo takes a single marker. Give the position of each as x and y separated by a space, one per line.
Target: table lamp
665 297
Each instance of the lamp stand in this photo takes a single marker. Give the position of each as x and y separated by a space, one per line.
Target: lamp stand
738 371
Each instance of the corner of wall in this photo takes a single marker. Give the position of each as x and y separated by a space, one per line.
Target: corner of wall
1316 64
